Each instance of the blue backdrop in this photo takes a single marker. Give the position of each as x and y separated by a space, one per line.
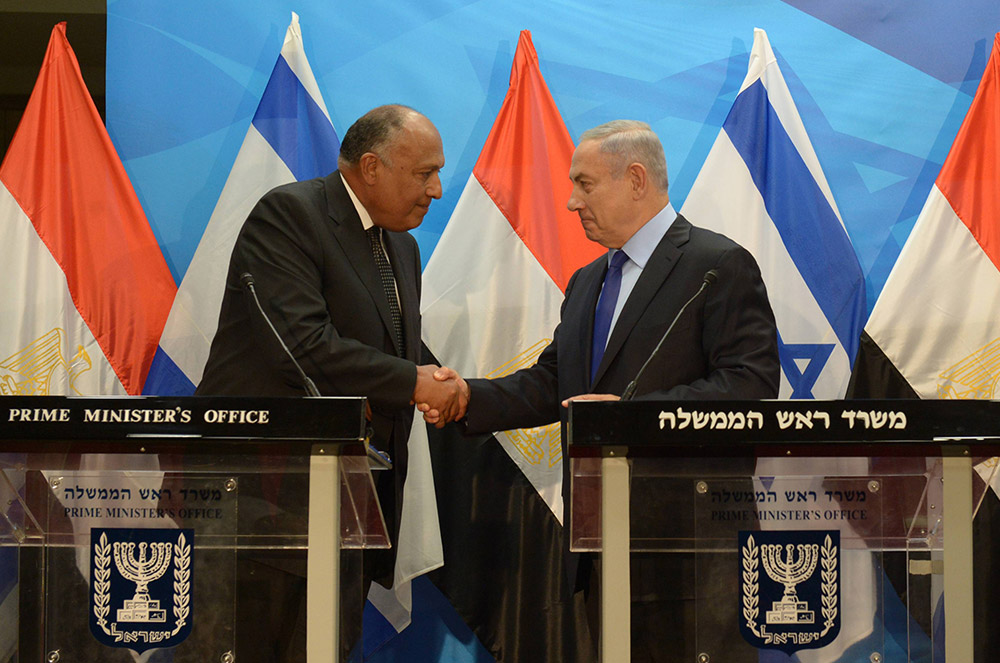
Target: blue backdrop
882 87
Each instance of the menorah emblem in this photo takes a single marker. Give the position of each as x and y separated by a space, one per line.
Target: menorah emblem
802 570
160 563
142 571
798 564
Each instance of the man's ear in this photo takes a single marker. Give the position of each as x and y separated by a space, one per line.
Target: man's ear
638 179
368 166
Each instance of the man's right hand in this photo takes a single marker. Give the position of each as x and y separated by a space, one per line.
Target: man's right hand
441 394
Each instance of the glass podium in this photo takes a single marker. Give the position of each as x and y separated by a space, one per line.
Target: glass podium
833 531
129 525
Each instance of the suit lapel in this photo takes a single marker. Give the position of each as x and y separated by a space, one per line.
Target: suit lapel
350 234
660 264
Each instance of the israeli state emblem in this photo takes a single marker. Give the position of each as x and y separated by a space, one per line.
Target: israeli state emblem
790 588
140 587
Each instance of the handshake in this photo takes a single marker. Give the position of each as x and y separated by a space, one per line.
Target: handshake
441 394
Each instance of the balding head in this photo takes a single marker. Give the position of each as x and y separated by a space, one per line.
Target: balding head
391 157
373 132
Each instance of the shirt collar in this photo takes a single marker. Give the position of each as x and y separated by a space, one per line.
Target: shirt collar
366 219
640 246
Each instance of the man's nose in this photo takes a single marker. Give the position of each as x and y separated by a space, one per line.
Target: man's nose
434 186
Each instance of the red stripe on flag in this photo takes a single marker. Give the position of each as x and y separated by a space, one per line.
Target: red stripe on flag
65 174
970 178
524 168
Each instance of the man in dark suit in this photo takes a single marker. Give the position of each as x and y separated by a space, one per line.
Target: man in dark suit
312 248
339 276
617 308
725 345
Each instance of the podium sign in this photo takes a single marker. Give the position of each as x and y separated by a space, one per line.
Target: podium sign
787 525
126 522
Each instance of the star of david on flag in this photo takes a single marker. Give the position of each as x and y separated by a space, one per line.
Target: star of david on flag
778 205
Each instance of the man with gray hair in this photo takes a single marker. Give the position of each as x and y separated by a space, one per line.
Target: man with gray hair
615 311
617 307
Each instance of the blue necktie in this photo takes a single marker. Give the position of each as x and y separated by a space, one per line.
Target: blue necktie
606 310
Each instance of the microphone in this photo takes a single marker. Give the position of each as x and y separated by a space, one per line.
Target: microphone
377 460
247 280
711 276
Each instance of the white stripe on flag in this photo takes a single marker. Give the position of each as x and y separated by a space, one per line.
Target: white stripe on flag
740 215
258 168
194 316
36 302
934 313
293 51
504 300
764 66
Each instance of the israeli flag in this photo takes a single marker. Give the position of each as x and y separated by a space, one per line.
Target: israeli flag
291 138
762 186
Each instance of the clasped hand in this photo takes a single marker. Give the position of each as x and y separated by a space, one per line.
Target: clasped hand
441 394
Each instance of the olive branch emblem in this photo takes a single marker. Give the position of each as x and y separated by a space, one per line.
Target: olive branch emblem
102 584
102 581
751 586
829 585
182 582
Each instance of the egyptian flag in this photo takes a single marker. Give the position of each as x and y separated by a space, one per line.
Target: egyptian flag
935 329
87 290
491 297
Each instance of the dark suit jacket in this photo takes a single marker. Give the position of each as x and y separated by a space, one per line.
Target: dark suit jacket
316 278
724 346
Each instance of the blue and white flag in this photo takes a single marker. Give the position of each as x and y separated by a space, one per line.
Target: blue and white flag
291 138
762 186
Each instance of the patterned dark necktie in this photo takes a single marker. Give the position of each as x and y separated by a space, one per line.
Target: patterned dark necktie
388 284
606 310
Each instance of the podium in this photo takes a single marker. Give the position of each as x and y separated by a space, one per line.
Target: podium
824 528
129 523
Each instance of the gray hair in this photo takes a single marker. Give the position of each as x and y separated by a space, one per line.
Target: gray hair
631 141
373 132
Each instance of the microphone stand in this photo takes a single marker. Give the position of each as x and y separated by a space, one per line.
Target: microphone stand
711 276
377 459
